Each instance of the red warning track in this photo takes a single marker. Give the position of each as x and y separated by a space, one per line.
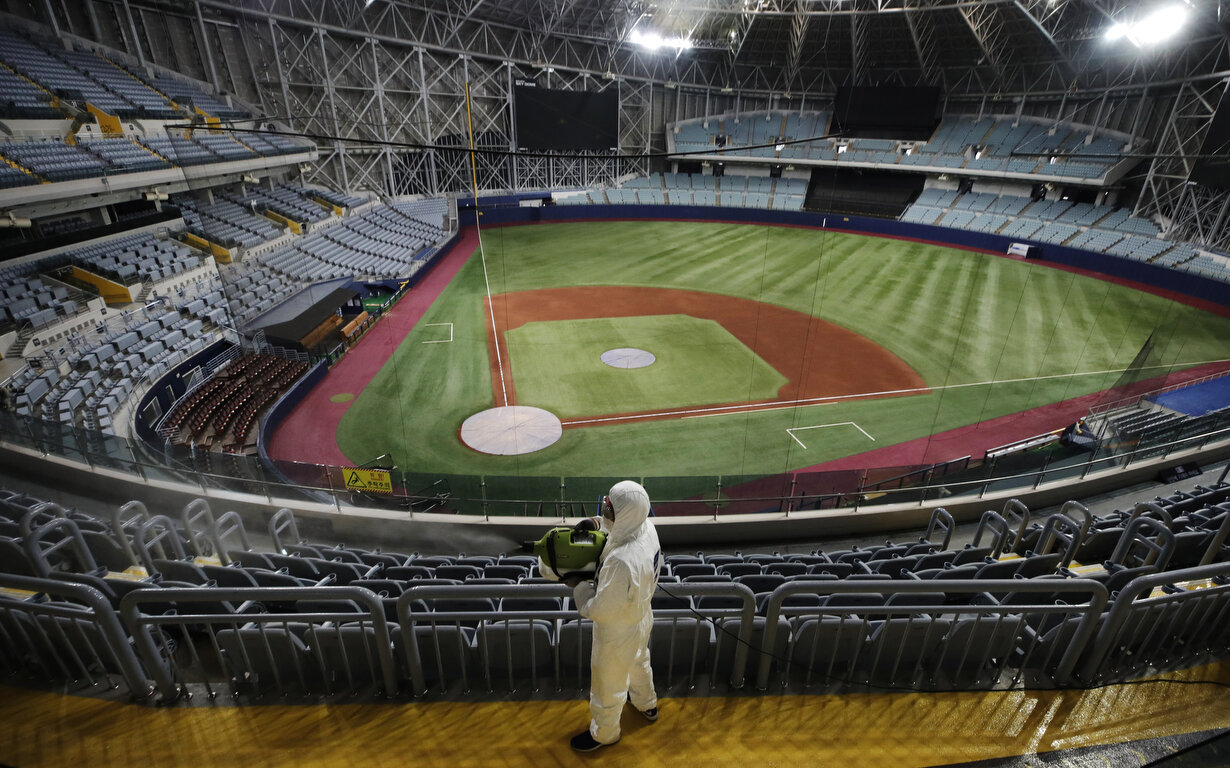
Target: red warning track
819 359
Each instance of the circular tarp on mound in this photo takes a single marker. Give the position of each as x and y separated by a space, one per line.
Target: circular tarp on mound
511 430
628 357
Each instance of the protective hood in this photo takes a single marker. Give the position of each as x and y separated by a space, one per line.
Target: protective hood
631 504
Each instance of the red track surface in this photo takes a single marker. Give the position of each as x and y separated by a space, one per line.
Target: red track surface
309 433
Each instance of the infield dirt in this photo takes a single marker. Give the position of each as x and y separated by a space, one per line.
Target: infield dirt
819 359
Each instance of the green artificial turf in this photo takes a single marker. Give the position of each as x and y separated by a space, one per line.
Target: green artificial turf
990 335
557 365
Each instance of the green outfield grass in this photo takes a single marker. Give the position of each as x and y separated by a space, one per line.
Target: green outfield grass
991 336
558 366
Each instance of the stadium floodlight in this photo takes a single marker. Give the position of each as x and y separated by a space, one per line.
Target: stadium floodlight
1155 27
652 41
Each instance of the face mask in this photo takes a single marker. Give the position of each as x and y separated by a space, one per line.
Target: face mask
608 511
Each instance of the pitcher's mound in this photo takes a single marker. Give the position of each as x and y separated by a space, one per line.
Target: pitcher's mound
627 357
511 430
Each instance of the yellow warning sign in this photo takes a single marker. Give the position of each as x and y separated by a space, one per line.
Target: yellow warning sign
368 480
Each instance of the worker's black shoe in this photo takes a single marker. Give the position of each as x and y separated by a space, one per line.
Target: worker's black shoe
585 742
649 714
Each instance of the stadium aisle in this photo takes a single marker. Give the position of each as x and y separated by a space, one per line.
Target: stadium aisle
865 730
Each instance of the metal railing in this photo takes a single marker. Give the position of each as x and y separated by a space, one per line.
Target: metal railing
493 496
460 641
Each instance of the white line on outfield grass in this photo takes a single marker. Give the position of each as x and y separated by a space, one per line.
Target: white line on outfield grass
449 340
791 431
726 410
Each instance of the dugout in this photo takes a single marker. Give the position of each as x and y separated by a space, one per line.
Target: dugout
317 326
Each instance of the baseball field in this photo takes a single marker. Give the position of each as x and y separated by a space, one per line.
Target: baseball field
773 348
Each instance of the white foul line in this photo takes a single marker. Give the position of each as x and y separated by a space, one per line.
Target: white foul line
790 431
449 340
743 408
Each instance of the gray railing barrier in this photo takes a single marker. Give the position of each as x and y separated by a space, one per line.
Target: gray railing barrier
860 633
41 544
125 520
1163 620
81 639
261 646
92 449
1010 630
459 617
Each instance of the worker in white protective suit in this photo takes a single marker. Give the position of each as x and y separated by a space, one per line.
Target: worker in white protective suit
618 602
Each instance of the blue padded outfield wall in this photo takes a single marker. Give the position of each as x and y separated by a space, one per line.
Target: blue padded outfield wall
508 210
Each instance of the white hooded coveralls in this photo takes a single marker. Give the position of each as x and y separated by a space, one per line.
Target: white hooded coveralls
619 606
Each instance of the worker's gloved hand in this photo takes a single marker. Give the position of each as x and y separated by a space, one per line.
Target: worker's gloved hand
583 592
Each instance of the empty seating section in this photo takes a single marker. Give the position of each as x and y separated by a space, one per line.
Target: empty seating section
136 258
21 98
382 241
108 363
1055 233
282 200
991 144
223 147
271 145
30 162
696 189
124 155
187 93
33 161
1001 611
1100 228
1216 267
179 150
35 301
339 199
223 409
922 214
36 61
226 223
33 70
1139 248
145 101
52 160
388 241
756 128
257 285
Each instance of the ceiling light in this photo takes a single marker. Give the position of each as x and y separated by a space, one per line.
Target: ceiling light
652 41
1161 24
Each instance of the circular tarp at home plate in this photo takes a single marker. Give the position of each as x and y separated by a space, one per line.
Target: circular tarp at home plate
627 357
511 430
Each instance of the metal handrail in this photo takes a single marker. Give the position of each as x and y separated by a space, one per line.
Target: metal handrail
99 611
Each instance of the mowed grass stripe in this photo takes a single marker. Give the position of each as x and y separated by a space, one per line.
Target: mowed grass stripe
951 315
